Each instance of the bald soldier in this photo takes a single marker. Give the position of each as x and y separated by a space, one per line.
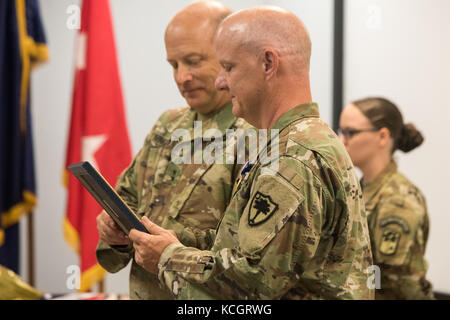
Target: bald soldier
186 197
299 232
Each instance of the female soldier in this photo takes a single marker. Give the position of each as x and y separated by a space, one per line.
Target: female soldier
372 129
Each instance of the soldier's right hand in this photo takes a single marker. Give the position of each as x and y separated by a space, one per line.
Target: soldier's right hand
109 231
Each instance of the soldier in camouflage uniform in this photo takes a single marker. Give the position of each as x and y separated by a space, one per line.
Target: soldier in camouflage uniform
189 198
294 230
396 209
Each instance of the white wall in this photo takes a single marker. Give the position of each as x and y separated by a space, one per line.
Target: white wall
317 15
148 90
401 50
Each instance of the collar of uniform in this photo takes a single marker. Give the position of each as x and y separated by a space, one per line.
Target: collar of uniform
371 189
306 110
222 119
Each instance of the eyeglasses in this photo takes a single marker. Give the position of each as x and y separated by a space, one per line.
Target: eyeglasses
349 133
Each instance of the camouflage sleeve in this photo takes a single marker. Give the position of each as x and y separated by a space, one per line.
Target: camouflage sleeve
277 236
400 241
398 283
126 185
190 236
113 258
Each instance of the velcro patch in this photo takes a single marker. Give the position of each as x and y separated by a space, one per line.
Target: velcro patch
273 202
196 264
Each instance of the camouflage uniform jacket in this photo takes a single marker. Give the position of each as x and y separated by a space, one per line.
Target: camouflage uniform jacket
398 225
299 232
187 198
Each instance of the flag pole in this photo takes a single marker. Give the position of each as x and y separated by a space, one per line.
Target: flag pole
30 227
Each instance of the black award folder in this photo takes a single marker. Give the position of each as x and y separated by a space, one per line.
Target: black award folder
106 197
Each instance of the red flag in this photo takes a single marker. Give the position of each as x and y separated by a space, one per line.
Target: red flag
98 131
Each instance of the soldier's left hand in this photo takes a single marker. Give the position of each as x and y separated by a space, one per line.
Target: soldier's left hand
149 247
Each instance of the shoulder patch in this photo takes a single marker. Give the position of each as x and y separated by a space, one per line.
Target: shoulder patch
396 220
389 242
262 207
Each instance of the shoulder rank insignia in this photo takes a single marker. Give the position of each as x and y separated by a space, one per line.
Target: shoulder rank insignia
389 242
261 208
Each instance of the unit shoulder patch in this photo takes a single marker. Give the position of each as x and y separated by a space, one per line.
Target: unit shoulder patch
262 207
389 242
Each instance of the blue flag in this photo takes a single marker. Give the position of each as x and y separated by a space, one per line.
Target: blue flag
22 47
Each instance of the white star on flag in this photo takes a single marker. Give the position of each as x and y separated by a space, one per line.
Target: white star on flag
90 145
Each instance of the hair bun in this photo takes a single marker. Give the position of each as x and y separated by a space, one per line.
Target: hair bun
410 138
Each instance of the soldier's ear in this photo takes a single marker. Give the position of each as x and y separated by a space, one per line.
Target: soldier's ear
385 136
270 62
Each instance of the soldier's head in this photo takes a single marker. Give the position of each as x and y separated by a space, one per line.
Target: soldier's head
374 127
189 47
265 56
